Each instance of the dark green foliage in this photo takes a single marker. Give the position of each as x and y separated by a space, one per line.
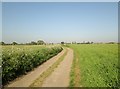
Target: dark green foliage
21 61
62 42
2 43
14 43
40 42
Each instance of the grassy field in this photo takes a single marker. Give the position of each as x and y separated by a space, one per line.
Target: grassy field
94 65
19 59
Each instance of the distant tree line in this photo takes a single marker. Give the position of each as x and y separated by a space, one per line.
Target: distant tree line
39 42
86 42
77 42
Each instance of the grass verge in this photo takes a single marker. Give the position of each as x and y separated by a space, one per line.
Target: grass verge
75 72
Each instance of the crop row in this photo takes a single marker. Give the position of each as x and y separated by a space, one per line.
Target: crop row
20 61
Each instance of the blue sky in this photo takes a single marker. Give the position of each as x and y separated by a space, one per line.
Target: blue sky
0 21
56 22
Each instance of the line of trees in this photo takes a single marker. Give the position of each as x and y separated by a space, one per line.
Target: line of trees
88 42
39 42
78 42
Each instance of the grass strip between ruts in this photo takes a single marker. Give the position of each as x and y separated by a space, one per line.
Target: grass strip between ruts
39 81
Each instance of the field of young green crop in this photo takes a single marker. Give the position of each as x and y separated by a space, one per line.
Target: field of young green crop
94 65
19 59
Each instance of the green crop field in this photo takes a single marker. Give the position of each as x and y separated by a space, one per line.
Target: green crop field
94 65
19 59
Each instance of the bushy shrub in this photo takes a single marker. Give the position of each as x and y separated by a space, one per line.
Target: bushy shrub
19 62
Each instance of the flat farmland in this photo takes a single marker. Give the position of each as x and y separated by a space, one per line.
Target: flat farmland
94 65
